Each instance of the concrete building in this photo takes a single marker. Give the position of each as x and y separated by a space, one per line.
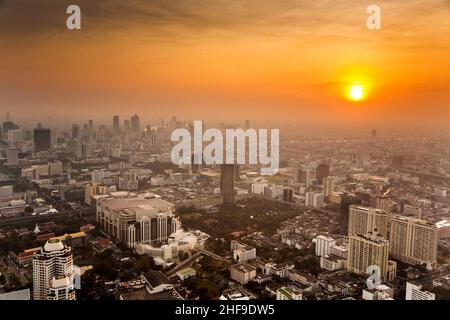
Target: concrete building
365 251
323 244
242 272
53 272
227 176
363 220
413 241
153 218
414 292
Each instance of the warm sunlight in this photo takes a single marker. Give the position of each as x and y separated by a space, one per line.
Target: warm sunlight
356 92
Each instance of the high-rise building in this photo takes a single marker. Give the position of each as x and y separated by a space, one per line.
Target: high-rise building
363 220
91 126
382 202
126 125
42 139
135 124
346 201
322 171
414 292
75 131
413 241
53 272
323 245
314 199
365 251
12 156
116 125
227 182
328 186
14 136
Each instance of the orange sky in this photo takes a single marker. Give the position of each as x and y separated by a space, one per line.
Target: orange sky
227 59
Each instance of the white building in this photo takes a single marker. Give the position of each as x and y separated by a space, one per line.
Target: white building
313 199
414 292
323 244
289 293
53 272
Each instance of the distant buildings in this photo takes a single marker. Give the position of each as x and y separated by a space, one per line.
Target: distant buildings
12 156
53 272
328 187
322 171
42 139
227 177
314 199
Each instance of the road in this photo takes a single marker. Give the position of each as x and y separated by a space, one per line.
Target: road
190 260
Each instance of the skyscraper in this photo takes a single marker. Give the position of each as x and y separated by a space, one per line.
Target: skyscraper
53 272
365 251
328 186
135 123
227 182
42 139
75 131
322 171
12 156
116 125
346 201
363 220
413 241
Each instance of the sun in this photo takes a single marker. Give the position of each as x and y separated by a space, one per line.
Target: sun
356 92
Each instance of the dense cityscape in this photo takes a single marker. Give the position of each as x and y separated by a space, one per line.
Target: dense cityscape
98 211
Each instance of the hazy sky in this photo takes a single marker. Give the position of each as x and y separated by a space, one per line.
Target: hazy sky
227 60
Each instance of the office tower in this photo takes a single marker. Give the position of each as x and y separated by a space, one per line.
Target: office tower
346 201
75 131
323 245
91 126
328 186
363 220
93 189
7 116
42 139
382 202
227 176
368 250
374 134
126 125
9 125
413 241
414 292
322 171
135 123
314 199
14 136
53 272
116 125
83 151
12 156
